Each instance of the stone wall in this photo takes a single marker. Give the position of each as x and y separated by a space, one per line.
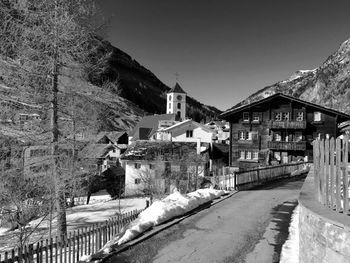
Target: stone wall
323 233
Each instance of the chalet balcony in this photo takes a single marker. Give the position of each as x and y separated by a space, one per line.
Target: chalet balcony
287 146
288 125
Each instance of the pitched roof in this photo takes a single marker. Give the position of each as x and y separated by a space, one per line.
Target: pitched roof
96 151
149 125
177 89
280 95
113 135
169 151
186 122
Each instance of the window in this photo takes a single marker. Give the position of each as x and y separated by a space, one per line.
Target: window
249 155
256 117
300 116
242 135
169 106
137 180
151 166
242 155
285 158
278 116
285 116
317 116
245 116
179 105
189 134
298 136
256 155
277 137
137 165
245 135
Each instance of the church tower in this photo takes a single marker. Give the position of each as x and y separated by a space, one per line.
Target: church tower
176 102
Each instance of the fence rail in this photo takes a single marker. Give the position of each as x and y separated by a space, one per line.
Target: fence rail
331 169
71 248
254 177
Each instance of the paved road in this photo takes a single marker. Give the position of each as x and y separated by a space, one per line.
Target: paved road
248 227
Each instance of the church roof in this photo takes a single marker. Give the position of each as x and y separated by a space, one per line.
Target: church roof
177 89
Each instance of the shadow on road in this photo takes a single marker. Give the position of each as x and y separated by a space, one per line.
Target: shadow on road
281 217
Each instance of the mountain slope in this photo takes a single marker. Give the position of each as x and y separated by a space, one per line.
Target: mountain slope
113 97
136 83
327 85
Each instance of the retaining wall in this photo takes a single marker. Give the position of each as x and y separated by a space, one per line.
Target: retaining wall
323 233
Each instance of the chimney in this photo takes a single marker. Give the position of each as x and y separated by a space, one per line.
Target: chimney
198 146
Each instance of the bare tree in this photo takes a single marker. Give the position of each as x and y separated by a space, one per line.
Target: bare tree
42 38
152 179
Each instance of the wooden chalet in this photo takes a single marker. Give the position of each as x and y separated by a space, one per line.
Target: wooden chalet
278 129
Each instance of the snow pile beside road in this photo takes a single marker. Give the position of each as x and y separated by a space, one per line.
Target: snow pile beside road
173 205
290 249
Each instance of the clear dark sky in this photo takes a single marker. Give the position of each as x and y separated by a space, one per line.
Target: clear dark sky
225 50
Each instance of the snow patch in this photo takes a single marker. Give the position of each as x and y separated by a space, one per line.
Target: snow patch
290 249
174 205
298 74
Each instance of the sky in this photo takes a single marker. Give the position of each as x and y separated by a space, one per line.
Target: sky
225 50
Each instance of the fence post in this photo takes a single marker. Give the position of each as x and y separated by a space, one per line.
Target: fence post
345 175
327 171
316 145
69 248
322 172
73 246
30 253
338 174
332 180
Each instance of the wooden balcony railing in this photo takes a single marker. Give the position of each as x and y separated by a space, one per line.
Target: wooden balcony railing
292 146
288 125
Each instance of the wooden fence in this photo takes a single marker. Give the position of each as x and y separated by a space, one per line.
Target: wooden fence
84 241
254 177
331 173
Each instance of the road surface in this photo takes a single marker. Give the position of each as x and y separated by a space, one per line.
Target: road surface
251 226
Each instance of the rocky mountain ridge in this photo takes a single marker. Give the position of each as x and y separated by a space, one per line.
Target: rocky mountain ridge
327 85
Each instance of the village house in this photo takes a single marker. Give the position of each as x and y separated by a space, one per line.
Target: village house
278 129
163 163
101 156
185 131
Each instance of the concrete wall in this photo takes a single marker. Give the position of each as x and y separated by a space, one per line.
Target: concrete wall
324 234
